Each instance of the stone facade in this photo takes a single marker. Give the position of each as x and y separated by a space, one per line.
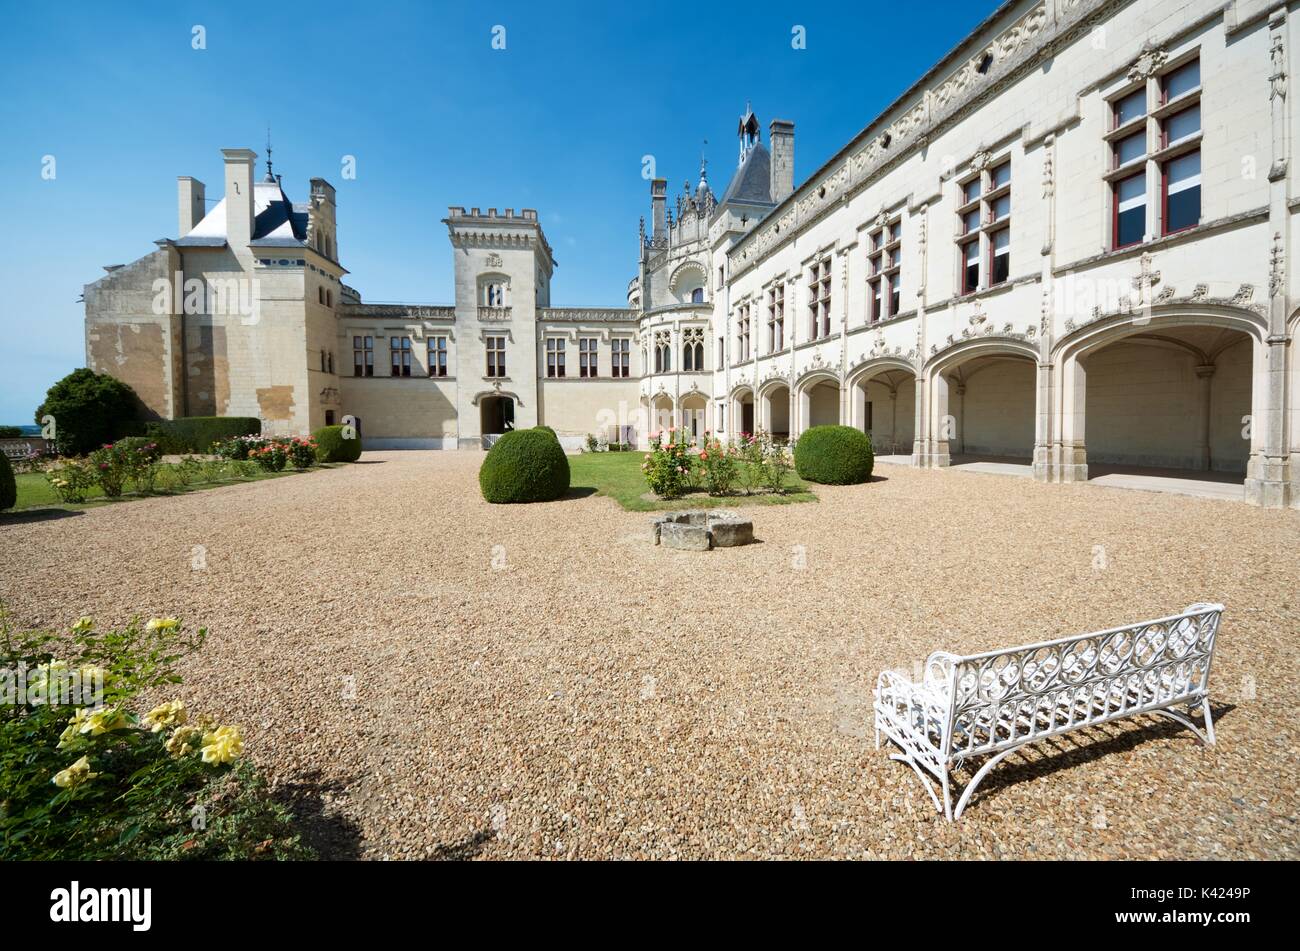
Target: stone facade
1066 243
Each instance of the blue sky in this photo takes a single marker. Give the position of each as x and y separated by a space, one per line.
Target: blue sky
559 121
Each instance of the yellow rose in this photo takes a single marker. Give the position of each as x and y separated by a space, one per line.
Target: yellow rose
84 624
104 720
168 714
182 740
76 774
222 745
75 723
163 624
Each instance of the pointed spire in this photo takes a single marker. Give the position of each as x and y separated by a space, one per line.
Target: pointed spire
270 177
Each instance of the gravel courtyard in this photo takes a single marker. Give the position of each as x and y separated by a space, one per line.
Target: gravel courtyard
425 675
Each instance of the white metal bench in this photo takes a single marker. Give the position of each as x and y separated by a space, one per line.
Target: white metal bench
991 704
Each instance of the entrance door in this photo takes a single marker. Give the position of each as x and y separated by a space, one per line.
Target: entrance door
496 415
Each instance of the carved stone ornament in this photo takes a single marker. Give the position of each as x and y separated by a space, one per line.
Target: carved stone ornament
1147 64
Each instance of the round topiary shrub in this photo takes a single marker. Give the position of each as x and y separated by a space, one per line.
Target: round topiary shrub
524 465
89 410
331 446
8 488
834 455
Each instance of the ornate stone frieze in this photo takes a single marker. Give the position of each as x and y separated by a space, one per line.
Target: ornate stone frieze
1148 63
585 314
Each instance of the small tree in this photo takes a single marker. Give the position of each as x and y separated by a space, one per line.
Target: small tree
89 409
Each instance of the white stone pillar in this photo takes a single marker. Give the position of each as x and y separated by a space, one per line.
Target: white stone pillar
1204 379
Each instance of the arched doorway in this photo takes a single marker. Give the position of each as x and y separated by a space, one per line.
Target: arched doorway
819 402
496 415
742 412
1171 397
884 406
661 412
694 408
982 406
774 416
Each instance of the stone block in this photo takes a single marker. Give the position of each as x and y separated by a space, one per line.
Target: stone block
684 536
729 530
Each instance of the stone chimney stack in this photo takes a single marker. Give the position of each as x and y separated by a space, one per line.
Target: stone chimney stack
659 207
781 139
239 196
190 198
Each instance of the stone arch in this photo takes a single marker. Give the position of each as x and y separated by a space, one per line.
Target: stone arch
774 407
742 410
693 408
1199 370
662 406
981 397
882 403
818 395
687 277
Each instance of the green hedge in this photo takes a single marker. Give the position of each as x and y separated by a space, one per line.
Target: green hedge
198 433
332 447
834 455
89 409
524 465
8 488
11 432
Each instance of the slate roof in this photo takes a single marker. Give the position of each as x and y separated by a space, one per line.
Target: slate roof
277 222
752 183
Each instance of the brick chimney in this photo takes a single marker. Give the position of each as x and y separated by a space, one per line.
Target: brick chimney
190 199
659 207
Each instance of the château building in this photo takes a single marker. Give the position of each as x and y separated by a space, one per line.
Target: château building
1066 244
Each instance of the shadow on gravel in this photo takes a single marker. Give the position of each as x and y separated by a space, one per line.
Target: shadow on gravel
580 492
332 836
1046 757
35 515
465 849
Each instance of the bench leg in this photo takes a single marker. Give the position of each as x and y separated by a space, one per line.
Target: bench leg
1206 734
920 774
978 778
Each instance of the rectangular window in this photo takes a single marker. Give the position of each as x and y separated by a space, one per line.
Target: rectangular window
875 303
742 330
1130 107
819 299
1182 192
970 221
437 356
399 353
1182 125
363 356
1130 217
1000 176
1002 208
554 357
620 357
1183 79
970 271
1130 148
895 289
587 347
971 191
496 356
776 319
1000 252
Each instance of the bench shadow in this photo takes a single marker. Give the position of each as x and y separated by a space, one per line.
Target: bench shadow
331 836
463 850
1079 748
26 516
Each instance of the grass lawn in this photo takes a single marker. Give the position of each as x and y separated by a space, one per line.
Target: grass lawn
34 491
618 475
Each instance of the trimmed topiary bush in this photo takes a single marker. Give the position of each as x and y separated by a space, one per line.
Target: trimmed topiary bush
332 447
89 410
198 433
8 488
834 455
524 465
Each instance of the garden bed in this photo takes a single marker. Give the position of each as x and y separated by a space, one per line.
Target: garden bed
618 475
